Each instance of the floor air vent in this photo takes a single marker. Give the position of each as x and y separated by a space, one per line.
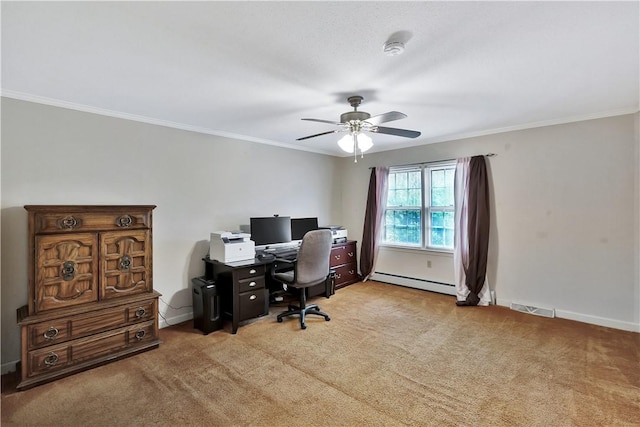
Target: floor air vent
544 312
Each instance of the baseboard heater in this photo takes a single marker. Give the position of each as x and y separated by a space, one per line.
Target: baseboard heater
414 282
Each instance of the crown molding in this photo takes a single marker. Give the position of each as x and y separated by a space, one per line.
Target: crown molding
143 119
198 129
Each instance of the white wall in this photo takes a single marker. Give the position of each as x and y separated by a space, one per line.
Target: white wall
564 231
200 183
549 187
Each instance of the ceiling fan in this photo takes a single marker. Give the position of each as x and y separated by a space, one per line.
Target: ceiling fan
356 122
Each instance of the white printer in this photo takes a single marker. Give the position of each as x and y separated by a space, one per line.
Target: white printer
229 246
338 232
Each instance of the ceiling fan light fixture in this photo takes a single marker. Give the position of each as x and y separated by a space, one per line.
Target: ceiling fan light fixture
346 143
351 141
364 142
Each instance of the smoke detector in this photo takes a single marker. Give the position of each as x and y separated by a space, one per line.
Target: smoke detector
392 48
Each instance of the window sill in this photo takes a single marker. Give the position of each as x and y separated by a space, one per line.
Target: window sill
436 252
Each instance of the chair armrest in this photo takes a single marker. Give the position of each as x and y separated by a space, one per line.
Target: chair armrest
281 261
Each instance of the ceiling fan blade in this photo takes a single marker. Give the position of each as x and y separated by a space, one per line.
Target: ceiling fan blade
323 121
398 132
318 134
386 117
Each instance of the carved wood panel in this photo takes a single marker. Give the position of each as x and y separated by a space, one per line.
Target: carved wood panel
125 263
66 267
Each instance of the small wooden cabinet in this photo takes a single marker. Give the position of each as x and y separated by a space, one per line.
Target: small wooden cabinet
91 297
344 262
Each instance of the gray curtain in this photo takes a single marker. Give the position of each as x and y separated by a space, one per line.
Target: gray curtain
472 229
371 234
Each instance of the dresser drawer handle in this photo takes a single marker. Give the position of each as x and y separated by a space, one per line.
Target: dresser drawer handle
252 297
51 359
140 312
336 256
68 270
140 334
252 271
50 333
124 221
252 284
69 223
352 271
338 276
350 254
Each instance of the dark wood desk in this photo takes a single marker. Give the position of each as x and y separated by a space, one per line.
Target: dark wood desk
244 285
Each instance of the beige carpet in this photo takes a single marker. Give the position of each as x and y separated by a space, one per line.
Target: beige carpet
389 356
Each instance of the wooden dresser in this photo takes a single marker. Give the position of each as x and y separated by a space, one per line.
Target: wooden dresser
344 261
91 297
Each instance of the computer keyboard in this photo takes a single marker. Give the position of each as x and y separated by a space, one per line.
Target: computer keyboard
287 253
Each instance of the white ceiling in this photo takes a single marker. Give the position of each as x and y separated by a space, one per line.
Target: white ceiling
253 69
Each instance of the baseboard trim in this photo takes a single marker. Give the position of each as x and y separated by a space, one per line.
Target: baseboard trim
412 282
172 321
447 289
587 318
6 368
600 321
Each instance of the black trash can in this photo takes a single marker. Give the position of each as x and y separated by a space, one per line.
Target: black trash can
207 314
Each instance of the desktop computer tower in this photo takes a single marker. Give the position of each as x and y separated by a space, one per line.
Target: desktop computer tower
207 315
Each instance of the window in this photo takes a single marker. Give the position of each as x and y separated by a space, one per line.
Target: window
420 206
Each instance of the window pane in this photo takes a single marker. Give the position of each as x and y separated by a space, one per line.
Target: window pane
442 230
402 226
442 187
404 189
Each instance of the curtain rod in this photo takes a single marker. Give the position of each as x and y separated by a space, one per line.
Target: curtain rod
432 161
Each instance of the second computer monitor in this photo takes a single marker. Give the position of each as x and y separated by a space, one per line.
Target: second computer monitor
300 226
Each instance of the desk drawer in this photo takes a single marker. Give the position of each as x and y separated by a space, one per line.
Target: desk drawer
248 272
252 304
251 284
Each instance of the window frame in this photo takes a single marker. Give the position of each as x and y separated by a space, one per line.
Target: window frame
426 207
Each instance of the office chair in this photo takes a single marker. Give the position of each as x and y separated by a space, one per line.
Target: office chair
311 267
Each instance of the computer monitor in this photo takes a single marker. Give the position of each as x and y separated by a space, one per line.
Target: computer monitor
270 230
300 226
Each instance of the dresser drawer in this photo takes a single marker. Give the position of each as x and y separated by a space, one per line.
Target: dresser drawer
56 331
252 304
346 274
343 254
74 220
61 356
